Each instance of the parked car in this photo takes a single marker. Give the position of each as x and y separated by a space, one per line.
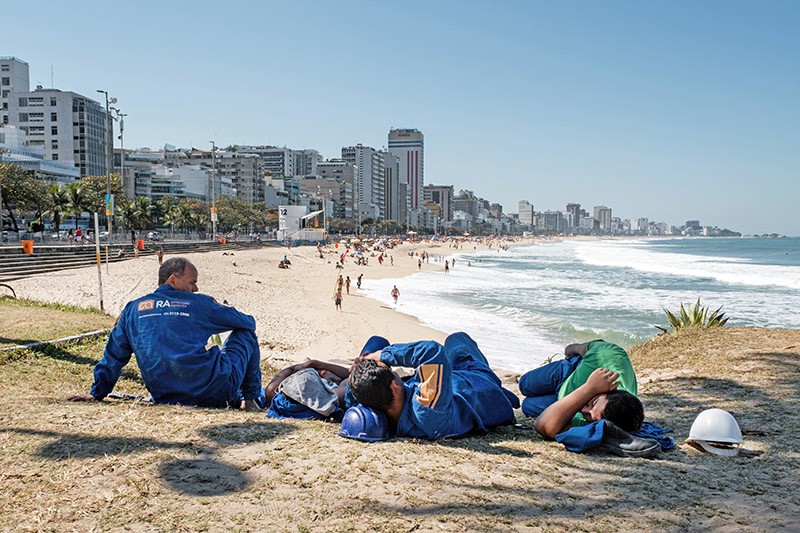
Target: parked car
154 236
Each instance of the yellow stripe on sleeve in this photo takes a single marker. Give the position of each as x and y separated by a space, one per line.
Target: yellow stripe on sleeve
430 385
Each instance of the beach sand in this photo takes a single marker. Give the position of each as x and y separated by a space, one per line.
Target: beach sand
294 308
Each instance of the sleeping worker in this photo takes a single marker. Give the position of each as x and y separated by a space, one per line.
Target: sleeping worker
452 392
168 331
589 400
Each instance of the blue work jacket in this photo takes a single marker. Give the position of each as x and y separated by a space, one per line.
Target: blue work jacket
168 331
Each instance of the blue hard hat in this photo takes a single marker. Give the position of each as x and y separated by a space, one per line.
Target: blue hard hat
364 423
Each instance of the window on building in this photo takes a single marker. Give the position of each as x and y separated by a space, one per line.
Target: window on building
23 102
23 117
55 157
54 144
53 117
6 81
4 68
5 93
54 130
52 102
5 119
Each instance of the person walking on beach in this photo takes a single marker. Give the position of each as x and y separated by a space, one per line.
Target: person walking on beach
358 282
133 237
447 267
453 391
168 331
419 264
347 284
71 237
337 298
79 236
160 255
395 294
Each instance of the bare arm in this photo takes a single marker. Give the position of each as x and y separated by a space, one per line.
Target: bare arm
557 417
576 349
336 370
272 388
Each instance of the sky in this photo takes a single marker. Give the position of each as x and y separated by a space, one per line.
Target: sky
670 110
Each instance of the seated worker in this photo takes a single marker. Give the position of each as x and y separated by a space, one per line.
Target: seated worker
309 390
595 382
168 331
452 392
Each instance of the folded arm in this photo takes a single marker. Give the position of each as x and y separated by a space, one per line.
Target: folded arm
556 418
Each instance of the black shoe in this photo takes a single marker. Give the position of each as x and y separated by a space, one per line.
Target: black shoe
622 443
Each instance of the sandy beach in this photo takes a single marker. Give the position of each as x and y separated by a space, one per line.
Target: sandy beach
294 308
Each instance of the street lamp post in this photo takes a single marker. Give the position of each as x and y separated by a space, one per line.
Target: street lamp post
109 158
121 117
213 190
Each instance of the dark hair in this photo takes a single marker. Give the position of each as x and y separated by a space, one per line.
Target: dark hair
371 384
175 265
624 409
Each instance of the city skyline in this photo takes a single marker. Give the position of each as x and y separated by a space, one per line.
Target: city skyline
671 112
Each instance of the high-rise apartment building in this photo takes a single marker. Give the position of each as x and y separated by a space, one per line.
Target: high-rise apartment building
67 126
409 146
395 203
442 195
370 178
276 161
573 215
525 213
602 215
344 174
305 162
14 78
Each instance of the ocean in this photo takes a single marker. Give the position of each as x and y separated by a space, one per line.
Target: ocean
524 304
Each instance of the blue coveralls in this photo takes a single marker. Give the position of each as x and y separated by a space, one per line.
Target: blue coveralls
540 387
168 331
453 390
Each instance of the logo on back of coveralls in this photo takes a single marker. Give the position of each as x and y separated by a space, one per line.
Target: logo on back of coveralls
146 305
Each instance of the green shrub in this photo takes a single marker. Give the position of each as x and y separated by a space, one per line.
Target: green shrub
695 317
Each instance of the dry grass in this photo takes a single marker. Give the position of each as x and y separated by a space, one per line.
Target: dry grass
131 466
23 321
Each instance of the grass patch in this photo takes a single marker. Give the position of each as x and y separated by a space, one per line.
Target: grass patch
26 321
137 466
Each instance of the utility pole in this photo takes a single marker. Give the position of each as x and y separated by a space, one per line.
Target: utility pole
109 159
213 190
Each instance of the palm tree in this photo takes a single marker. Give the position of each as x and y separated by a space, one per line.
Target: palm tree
59 202
144 211
128 211
173 218
79 200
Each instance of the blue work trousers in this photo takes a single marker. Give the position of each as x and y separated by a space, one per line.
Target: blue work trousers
241 357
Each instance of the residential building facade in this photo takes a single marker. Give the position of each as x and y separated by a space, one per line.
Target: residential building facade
409 146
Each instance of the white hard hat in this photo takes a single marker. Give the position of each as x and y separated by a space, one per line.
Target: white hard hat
715 431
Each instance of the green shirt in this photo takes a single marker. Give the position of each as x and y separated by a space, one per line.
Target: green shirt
600 354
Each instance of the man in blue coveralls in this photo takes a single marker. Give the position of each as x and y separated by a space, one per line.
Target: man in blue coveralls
452 392
588 400
168 331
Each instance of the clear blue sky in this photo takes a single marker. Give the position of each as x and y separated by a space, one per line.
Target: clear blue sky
672 110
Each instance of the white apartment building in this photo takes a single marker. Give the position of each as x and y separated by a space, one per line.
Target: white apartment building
14 149
276 161
525 213
370 178
66 126
305 162
409 146
345 174
14 77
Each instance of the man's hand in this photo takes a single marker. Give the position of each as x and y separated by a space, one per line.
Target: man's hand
251 406
602 381
81 398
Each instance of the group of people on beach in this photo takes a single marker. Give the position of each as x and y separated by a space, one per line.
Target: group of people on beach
587 400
